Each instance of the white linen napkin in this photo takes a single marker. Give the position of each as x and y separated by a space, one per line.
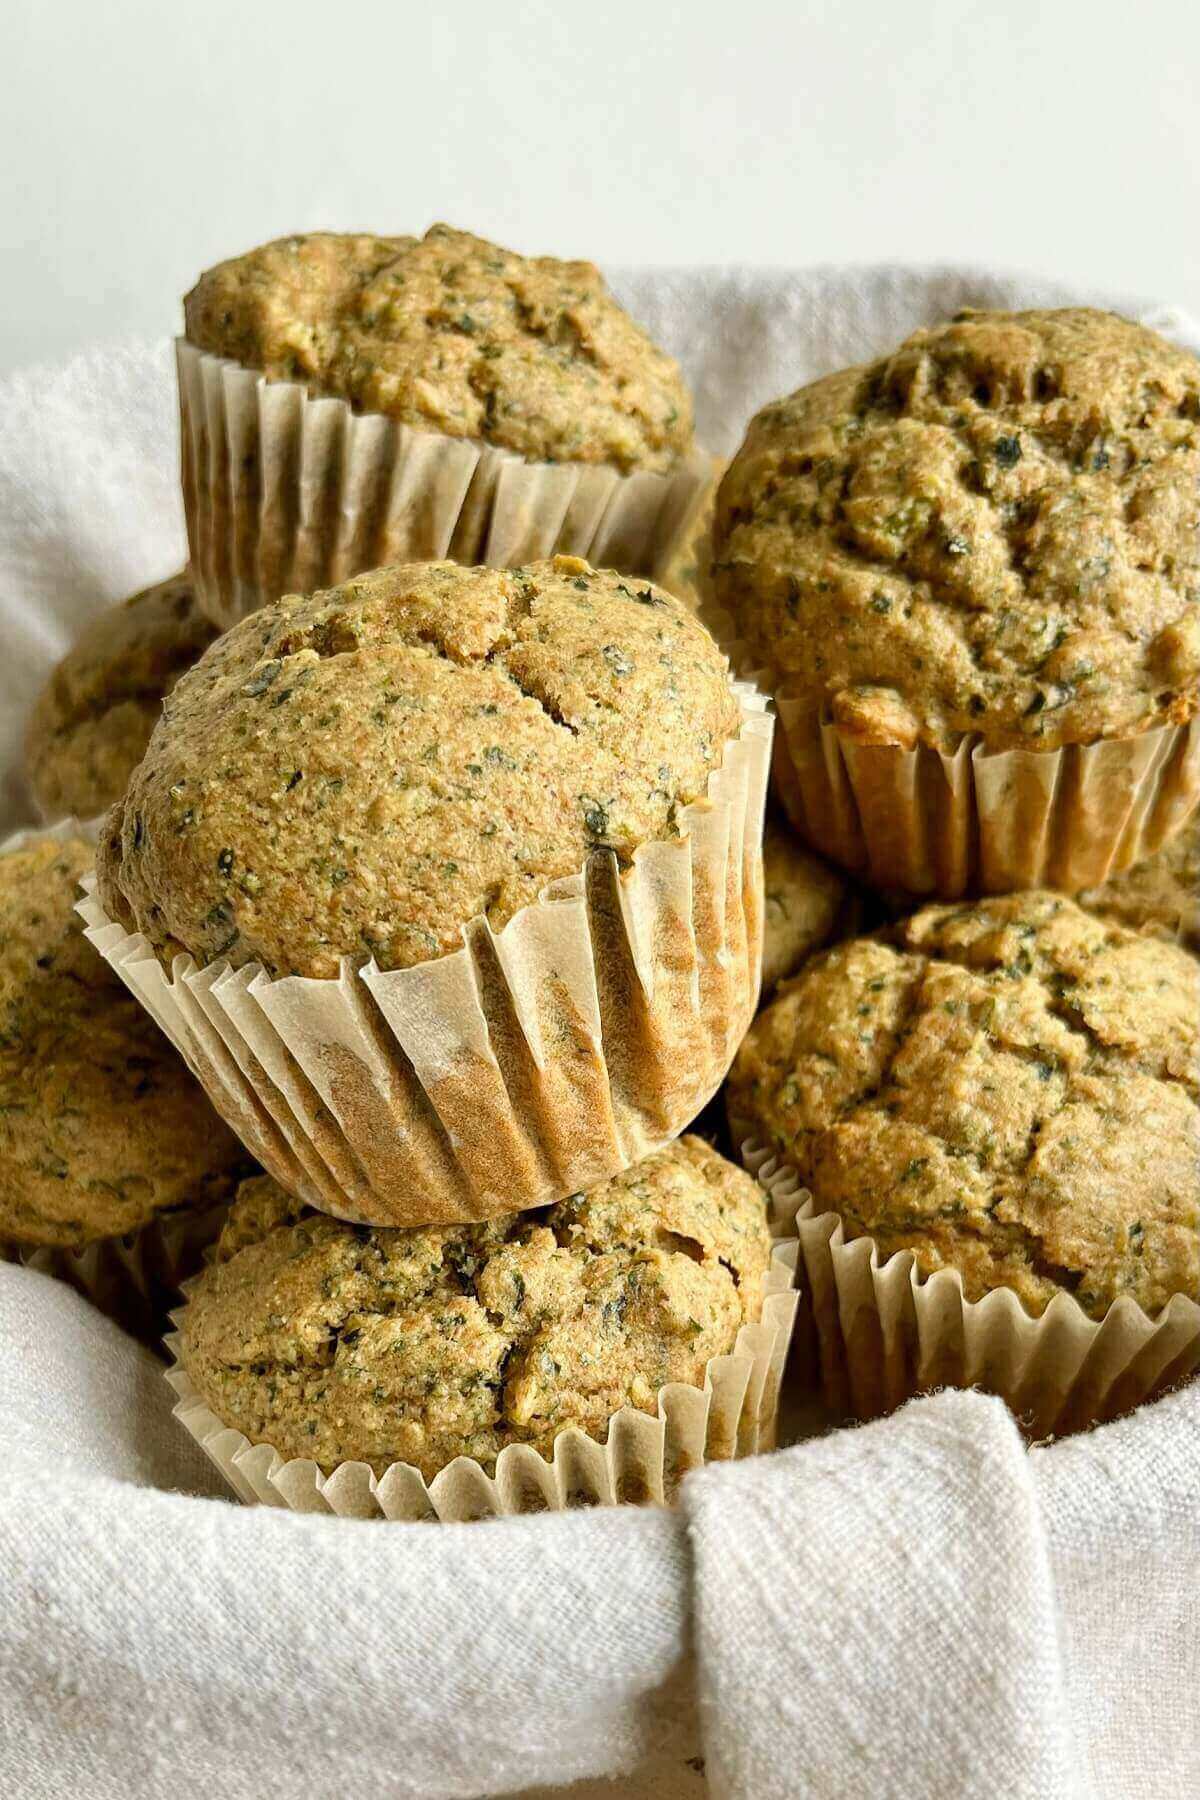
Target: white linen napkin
921 1607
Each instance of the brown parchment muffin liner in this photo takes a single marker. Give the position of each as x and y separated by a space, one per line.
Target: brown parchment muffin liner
284 493
884 1331
944 823
642 1461
533 1063
134 1279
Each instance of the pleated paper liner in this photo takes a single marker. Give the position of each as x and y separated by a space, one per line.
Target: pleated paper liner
533 1063
134 1279
284 493
942 824
642 1460
885 1332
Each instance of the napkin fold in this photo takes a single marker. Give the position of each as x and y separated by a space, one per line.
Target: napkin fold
921 1607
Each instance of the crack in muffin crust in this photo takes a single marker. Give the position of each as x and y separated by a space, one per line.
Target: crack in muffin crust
451 333
365 771
1011 1089
342 1342
994 530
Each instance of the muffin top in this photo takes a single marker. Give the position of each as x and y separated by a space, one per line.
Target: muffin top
450 333
364 771
803 898
1161 894
1007 1089
346 1343
992 530
101 1125
92 721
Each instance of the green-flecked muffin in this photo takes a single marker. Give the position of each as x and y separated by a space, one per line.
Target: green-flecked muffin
993 530
102 1128
364 771
92 721
450 333
343 1343
1160 895
805 902
1008 1089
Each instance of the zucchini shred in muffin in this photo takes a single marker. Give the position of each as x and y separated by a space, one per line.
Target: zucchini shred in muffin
104 1134
1007 1093
460 399
989 539
533 799
92 721
342 1343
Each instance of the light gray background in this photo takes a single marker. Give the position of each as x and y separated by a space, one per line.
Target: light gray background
141 140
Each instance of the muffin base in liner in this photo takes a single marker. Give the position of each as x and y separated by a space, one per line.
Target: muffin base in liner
535 1062
883 1331
642 1461
970 820
284 493
134 1279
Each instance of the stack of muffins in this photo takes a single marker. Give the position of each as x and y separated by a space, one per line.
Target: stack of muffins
442 868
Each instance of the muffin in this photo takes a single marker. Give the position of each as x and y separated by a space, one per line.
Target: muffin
972 572
92 721
380 1346
1007 1091
1160 895
104 1136
423 397
504 828
686 571
805 902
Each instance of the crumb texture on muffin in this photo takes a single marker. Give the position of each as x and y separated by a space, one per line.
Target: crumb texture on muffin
451 333
92 721
993 530
345 1343
1160 895
364 771
101 1125
1007 1089
803 898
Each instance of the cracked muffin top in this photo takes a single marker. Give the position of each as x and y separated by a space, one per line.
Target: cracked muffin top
803 900
342 1342
450 333
993 530
1008 1089
101 1125
364 771
1160 895
92 721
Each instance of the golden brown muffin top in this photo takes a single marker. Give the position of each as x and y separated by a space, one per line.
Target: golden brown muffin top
101 1125
1007 1089
453 334
1161 894
992 530
365 771
92 721
803 900
347 1343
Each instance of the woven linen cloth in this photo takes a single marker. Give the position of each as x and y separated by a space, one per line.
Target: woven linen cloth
921 1607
